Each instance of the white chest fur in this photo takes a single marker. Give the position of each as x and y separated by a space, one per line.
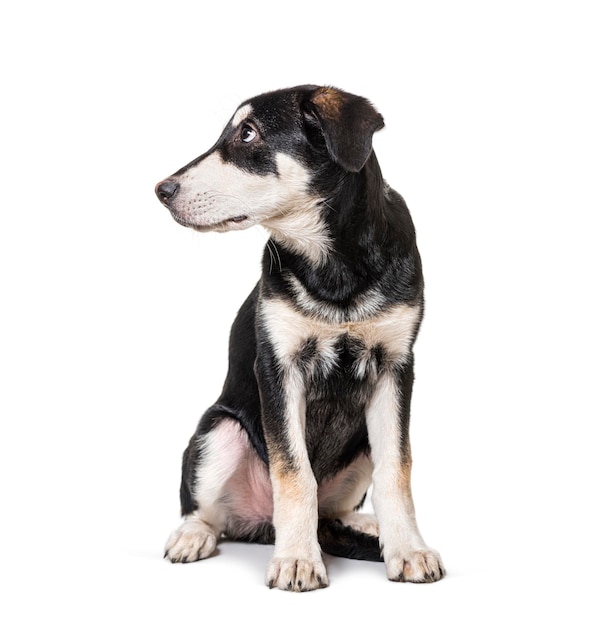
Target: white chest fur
391 332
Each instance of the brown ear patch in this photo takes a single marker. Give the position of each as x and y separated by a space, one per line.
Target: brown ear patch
348 123
329 101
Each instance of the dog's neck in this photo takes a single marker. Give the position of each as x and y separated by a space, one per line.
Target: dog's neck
339 248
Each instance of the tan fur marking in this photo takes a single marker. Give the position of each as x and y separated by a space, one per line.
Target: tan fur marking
295 512
329 101
280 466
288 482
404 477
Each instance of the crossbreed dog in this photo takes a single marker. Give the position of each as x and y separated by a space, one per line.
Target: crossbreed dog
316 403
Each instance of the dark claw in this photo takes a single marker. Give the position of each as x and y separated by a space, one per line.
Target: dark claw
398 579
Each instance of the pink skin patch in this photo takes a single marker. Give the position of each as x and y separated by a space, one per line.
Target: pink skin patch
247 497
250 489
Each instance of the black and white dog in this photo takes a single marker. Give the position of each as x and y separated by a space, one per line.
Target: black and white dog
316 404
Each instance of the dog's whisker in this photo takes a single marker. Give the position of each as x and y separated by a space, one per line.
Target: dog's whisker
329 206
238 199
274 249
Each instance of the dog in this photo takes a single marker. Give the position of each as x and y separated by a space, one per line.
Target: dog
316 404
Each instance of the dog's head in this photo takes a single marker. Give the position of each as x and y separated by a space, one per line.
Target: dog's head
277 157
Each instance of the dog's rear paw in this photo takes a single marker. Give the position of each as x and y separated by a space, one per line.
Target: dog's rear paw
418 566
362 522
192 541
296 574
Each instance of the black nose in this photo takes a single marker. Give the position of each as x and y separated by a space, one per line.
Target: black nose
166 190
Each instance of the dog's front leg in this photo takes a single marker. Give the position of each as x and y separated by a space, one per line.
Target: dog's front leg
296 564
407 557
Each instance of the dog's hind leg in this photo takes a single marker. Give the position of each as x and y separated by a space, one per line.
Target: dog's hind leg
342 495
343 530
209 463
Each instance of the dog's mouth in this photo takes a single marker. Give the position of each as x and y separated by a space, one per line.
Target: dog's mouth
226 224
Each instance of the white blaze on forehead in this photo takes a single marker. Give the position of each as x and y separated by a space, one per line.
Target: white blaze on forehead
242 113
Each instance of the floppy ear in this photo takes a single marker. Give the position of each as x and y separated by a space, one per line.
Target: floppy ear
347 123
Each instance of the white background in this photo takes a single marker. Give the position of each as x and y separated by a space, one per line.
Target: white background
114 319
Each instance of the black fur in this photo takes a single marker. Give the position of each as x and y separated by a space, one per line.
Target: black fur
373 246
340 540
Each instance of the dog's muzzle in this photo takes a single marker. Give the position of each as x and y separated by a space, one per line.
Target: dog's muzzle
166 190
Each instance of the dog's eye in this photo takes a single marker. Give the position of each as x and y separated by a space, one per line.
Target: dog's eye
248 134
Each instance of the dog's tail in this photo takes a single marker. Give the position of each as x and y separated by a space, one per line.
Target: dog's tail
335 538
338 539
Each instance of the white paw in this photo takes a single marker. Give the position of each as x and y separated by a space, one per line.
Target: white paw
416 566
362 522
192 541
296 574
